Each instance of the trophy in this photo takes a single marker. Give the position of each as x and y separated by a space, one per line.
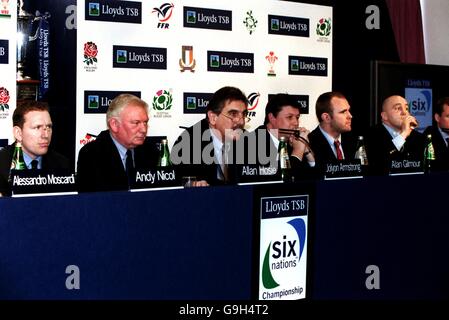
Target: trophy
27 88
24 20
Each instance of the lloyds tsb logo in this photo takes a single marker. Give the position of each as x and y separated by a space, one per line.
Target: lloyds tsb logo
283 253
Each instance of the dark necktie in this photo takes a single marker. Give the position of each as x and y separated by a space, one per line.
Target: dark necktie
34 164
337 148
129 166
225 161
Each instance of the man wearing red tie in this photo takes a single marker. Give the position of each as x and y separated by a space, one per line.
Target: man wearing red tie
331 140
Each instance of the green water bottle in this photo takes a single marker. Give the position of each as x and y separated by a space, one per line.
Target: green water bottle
429 154
284 160
164 155
17 162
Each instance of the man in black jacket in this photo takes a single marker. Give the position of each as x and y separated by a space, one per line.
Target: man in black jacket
32 127
394 138
202 150
332 140
440 135
282 114
109 162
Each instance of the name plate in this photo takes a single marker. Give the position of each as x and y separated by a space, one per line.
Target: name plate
344 169
33 182
405 166
257 173
159 177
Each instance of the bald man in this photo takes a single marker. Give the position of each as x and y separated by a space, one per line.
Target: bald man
395 137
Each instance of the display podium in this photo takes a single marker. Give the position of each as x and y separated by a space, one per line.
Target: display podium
200 243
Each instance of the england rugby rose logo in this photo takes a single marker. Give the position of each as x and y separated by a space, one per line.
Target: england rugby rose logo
4 99
90 53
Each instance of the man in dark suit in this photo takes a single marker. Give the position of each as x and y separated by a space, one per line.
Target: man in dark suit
203 149
394 138
281 112
32 127
331 140
440 135
109 162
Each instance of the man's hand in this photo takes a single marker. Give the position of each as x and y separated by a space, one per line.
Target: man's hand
408 124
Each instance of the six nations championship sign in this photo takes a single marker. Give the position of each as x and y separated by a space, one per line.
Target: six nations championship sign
283 247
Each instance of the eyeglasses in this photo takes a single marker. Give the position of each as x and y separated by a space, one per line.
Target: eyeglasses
236 116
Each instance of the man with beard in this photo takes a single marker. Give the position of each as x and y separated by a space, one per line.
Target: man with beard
206 150
331 140
394 138
109 163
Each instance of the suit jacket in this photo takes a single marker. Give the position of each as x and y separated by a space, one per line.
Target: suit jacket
441 162
323 151
193 155
51 160
381 150
100 167
260 138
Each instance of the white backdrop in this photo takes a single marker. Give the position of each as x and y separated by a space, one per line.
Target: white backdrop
8 28
100 79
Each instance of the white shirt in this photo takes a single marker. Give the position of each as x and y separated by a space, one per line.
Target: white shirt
122 151
331 141
397 140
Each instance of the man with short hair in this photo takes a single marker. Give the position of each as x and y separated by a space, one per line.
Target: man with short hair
332 140
32 127
394 137
109 162
201 149
440 135
282 114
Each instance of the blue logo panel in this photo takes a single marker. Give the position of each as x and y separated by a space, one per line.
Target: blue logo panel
307 66
98 101
4 51
139 57
222 61
196 102
114 11
288 26
207 18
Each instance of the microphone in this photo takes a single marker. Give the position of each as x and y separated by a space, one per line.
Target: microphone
296 133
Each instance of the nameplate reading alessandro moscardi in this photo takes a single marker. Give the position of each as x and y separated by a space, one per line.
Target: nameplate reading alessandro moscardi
42 182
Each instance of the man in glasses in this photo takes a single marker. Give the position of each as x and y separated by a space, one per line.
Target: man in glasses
394 138
206 150
33 128
282 114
